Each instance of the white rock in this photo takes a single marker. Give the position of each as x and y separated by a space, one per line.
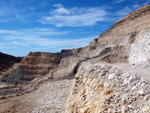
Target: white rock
123 110
126 81
133 88
146 109
146 97
141 92
111 76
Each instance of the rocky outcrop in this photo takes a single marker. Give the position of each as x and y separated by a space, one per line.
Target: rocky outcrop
121 34
34 65
140 49
141 11
36 68
7 61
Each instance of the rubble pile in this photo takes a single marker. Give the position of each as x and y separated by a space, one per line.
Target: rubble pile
100 88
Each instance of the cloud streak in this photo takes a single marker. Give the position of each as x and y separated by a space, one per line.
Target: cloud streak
119 1
34 37
124 11
74 17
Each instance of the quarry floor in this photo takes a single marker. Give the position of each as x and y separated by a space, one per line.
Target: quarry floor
49 97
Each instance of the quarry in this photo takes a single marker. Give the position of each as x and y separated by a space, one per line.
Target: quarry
110 75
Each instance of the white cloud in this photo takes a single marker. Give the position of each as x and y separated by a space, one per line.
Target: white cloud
11 11
7 31
60 9
119 1
136 6
7 9
75 17
32 8
33 32
18 43
124 11
29 38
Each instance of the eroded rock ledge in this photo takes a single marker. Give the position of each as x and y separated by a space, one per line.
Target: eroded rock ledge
136 13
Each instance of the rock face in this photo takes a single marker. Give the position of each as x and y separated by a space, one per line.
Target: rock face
7 61
140 50
99 88
37 67
102 88
137 13
31 66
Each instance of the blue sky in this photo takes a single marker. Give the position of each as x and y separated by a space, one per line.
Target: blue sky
52 25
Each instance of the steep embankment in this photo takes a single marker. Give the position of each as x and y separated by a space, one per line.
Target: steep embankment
7 61
121 35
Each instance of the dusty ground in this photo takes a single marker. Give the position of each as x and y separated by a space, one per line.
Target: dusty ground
49 97
141 69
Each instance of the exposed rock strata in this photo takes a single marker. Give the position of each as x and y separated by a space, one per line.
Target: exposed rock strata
141 11
32 66
37 67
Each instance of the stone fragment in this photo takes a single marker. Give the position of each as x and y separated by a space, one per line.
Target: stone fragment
124 109
141 91
146 109
111 76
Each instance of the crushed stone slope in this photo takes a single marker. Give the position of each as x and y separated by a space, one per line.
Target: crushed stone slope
50 97
99 88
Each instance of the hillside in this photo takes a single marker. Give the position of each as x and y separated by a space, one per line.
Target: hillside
111 74
7 61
